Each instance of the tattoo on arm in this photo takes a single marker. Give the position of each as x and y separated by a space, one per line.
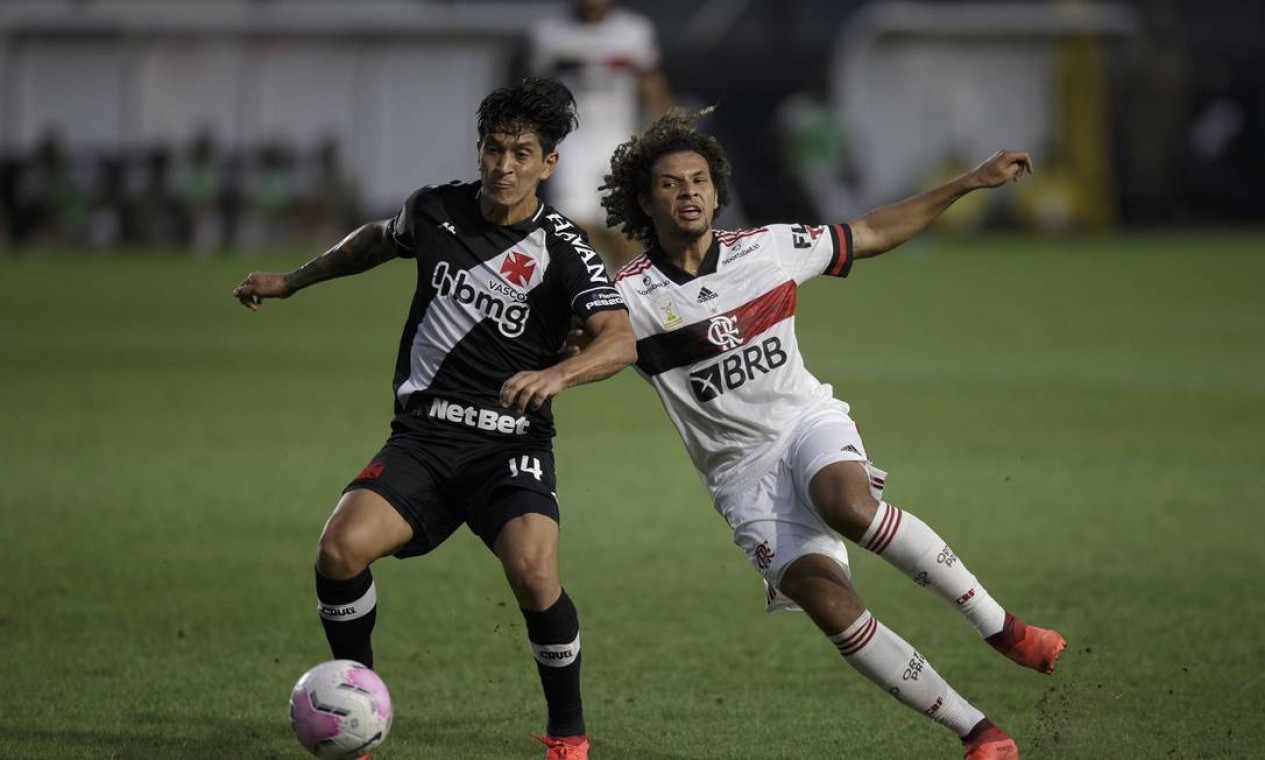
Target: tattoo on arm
360 251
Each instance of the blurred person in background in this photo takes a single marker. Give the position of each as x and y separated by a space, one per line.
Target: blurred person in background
156 218
609 57
714 316
500 275
11 211
331 200
269 197
109 203
814 152
201 187
55 196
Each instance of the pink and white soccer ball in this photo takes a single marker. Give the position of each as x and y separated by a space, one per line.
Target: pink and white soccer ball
340 709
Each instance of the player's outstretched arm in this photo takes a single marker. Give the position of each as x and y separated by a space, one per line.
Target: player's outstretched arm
611 348
360 251
885 228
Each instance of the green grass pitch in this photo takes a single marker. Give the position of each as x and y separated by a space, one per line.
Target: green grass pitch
1080 417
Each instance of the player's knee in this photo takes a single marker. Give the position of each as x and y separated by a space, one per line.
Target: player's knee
534 581
823 591
338 556
849 511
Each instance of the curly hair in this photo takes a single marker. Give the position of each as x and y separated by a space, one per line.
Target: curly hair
540 105
629 178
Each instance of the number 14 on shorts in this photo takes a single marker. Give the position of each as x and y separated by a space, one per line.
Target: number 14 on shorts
526 465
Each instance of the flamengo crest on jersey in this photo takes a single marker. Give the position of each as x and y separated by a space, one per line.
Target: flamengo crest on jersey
491 300
720 347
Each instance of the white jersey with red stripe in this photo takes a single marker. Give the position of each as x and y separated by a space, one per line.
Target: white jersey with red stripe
602 63
720 347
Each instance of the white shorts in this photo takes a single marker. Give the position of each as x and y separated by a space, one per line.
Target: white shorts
774 520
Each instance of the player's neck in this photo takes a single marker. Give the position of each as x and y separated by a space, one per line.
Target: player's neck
507 215
687 253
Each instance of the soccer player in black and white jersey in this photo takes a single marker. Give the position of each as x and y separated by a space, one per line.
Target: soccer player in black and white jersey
500 277
714 316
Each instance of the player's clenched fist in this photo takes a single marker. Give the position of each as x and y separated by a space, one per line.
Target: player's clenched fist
530 390
260 285
1002 167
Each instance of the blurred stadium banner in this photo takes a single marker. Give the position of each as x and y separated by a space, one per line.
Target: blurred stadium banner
941 85
395 83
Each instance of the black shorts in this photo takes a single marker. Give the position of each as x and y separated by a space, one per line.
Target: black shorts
439 484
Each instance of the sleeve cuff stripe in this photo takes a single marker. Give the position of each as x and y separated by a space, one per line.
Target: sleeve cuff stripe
842 261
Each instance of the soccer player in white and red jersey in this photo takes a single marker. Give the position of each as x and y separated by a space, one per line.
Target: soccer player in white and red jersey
714 316
609 57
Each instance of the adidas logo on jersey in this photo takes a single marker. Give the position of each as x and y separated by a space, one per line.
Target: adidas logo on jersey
705 295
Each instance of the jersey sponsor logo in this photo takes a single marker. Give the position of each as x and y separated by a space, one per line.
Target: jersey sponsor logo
606 301
737 369
705 295
499 287
651 285
563 227
510 318
448 226
489 420
518 267
739 253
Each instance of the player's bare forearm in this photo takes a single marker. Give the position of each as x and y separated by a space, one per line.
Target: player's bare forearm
613 347
886 227
362 250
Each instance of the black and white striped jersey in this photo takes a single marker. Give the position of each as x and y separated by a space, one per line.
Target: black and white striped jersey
491 301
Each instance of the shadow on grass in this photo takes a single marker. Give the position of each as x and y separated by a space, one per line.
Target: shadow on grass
145 740
477 738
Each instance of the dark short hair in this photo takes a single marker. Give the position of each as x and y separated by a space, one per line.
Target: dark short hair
632 162
543 106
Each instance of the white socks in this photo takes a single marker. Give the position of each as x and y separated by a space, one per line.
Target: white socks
916 550
889 661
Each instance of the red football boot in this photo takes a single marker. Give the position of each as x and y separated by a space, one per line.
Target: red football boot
565 747
1028 645
988 742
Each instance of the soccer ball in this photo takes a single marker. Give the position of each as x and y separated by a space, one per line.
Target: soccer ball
340 709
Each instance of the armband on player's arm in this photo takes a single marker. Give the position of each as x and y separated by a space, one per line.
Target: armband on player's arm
362 250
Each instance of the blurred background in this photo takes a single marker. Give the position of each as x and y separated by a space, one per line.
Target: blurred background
218 125
1066 377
